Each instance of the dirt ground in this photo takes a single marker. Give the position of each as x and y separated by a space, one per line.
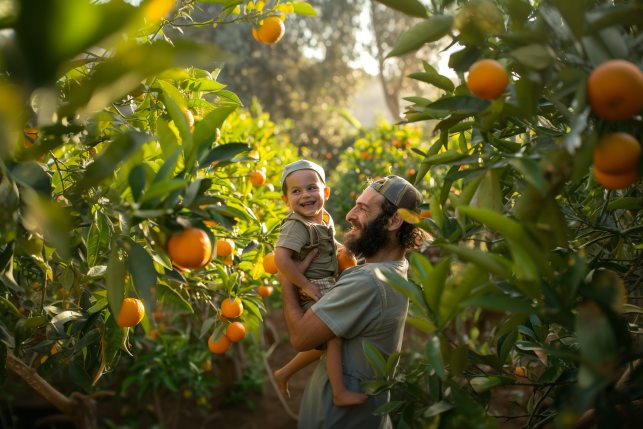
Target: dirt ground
268 410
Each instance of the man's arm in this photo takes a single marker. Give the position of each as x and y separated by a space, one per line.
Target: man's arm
306 330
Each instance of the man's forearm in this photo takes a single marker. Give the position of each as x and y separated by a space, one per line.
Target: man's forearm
305 329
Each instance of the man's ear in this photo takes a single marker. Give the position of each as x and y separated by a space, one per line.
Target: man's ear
394 222
326 193
284 199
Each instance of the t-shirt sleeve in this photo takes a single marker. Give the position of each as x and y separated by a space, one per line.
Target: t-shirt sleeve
293 235
351 305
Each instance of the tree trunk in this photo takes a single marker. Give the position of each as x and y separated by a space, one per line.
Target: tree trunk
78 408
391 92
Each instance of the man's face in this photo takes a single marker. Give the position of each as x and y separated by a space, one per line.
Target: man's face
369 231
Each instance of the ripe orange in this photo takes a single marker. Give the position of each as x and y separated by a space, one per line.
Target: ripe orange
224 247
220 346
615 90
615 181
425 213
190 248
235 331
487 79
231 308
211 223
264 291
410 172
258 177
132 312
520 371
617 153
31 134
345 259
269 263
366 156
270 31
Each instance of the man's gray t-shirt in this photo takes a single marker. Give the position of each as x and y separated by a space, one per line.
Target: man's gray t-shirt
359 308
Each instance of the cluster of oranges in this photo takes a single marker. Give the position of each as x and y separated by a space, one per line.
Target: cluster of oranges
615 92
231 308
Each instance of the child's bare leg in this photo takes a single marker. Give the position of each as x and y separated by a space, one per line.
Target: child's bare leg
301 360
341 395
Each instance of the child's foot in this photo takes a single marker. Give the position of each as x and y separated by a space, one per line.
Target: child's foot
282 383
348 398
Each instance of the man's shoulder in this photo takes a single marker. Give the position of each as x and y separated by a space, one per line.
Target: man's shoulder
372 269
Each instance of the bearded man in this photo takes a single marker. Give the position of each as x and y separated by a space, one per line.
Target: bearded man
361 307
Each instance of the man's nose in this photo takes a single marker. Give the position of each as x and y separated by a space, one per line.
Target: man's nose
350 215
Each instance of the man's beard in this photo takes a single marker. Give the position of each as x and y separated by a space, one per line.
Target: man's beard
372 237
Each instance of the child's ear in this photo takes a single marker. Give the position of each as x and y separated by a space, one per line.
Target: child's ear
326 193
284 199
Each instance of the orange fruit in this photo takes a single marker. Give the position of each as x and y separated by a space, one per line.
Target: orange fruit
615 181
520 371
231 308
617 153
220 346
224 247
615 90
235 331
132 312
487 79
270 31
269 263
211 223
425 213
31 134
258 177
345 259
264 291
190 248
410 172
366 156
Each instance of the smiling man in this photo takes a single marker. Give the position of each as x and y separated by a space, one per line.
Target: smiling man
361 307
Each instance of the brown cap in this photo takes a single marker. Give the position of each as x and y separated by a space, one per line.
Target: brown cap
302 165
399 192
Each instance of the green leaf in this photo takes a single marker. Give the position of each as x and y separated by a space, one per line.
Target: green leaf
104 166
375 358
460 104
501 303
422 324
430 30
434 79
162 188
303 8
490 262
205 131
405 287
409 7
141 267
535 56
437 408
530 169
434 356
115 281
137 180
172 299
224 152
483 384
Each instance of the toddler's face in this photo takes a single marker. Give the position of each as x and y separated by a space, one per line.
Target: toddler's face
306 194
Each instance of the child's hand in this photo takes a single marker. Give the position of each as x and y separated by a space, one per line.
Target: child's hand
303 265
311 290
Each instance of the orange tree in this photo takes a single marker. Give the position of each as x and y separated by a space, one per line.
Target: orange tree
531 302
114 138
